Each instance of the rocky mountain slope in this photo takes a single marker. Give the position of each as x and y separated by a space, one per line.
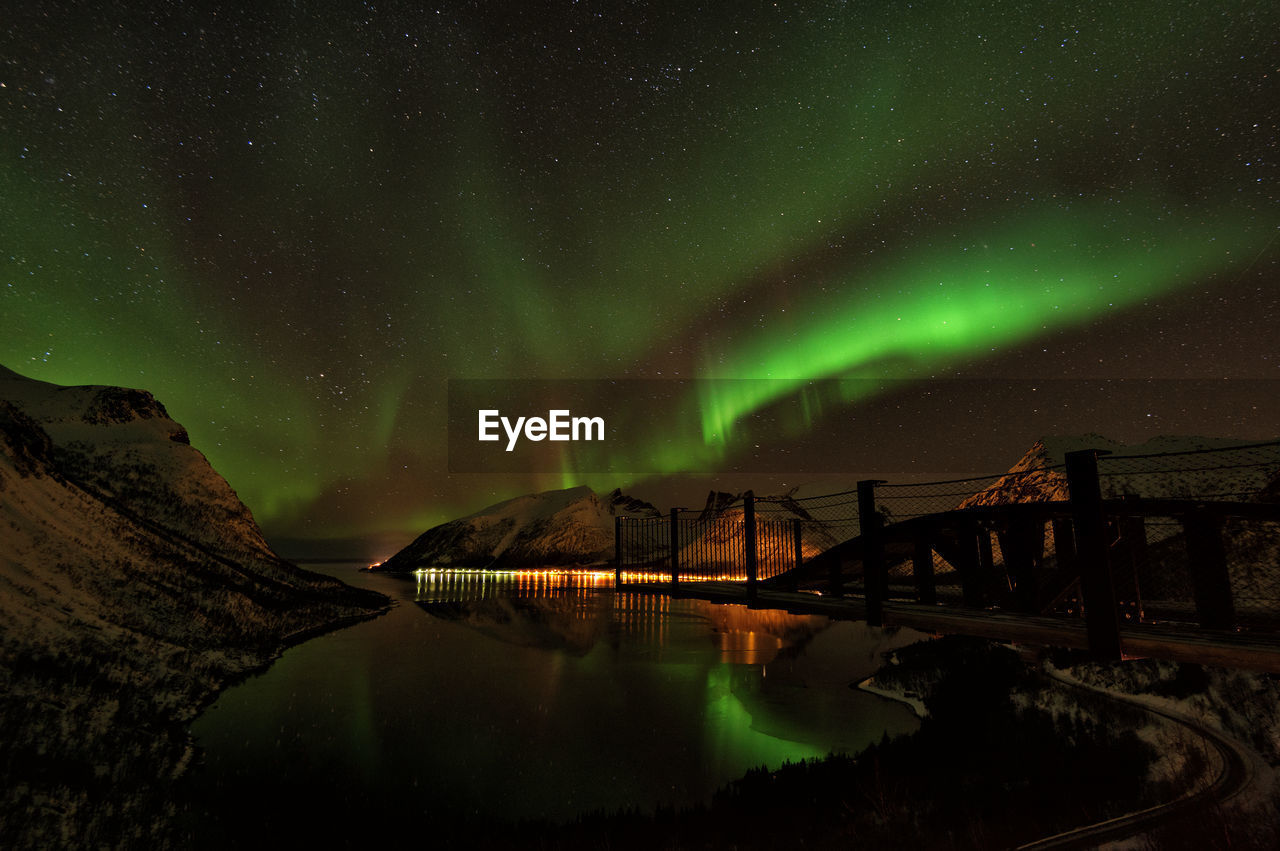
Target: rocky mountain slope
572 526
133 585
1130 470
1178 468
576 527
712 544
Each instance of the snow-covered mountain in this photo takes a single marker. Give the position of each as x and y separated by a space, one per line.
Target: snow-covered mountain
133 584
1178 468
714 541
1228 473
576 527
571 526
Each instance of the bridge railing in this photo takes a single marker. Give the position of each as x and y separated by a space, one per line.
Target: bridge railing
1173 542
1180 537
746 540
1214 564
1169 558
1225 473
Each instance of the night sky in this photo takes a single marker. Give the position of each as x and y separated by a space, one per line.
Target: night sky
295 222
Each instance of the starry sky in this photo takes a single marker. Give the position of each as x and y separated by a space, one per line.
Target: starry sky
296 223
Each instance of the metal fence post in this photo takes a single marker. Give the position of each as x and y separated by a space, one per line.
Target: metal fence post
749 533
1096 588
797 538
970 564
675 548
875 579
1022 544
922 568
617 551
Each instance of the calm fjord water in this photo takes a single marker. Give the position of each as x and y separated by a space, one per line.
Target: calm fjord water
506 697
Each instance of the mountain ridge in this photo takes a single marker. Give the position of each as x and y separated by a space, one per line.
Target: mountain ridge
134 585
572 526
1039 474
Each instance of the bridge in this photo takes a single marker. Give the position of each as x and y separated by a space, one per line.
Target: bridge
1170 555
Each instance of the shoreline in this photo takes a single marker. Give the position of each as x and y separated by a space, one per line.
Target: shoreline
917 705
142 755
290 640
285 643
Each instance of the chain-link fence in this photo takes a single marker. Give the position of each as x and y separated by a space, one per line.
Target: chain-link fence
716 543
643 549
897 502
1188 536
1223 473
1189 540
824 521
1215 555
1209 564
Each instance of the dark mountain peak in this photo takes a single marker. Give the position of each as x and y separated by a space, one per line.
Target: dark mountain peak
112 405
718 501
620 502
28 446
124 555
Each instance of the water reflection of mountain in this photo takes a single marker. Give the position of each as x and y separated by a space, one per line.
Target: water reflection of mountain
758 636
573 611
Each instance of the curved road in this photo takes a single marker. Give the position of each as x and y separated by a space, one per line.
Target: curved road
1234 772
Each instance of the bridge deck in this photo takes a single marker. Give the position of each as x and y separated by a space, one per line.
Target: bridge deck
1157 641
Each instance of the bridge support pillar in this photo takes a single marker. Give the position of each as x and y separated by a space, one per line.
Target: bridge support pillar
1022 544
986 563
835 576
970 565
922 568
1210 581
875 576
1089 525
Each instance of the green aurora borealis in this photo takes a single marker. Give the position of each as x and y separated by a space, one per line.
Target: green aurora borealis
294 226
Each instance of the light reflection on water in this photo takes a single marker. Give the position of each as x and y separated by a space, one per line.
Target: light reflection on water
743 636
537 694
436 585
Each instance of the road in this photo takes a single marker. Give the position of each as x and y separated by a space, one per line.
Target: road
1230 762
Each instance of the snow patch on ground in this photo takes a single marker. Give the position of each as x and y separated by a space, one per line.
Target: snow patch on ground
909 698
